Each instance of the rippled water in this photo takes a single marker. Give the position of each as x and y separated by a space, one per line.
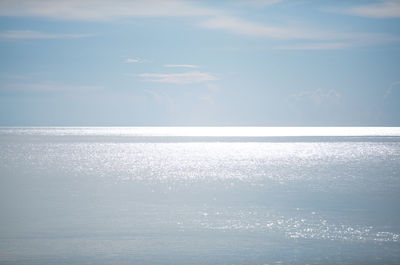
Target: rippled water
199 195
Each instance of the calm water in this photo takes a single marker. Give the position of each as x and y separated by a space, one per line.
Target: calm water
199 195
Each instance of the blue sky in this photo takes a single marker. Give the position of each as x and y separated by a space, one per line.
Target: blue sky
216 63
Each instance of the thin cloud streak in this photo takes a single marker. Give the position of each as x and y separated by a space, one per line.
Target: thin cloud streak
258 3
29 34
136 60
384 9
178 78
243 27
9 76
100 10
337 40
46 86
315 46
180 66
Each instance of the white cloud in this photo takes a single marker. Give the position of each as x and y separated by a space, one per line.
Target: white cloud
383 9
178 78
101 9
318 96
180 66
29 34
136 60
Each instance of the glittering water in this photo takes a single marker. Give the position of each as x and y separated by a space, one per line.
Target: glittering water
199 195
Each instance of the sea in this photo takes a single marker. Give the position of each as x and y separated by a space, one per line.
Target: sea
199 195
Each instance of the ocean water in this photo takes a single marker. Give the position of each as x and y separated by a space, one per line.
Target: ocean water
199 195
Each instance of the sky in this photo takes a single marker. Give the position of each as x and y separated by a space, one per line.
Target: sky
199 63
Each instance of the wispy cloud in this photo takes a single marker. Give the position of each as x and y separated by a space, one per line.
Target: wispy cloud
318 96
244 27
209 18
135 60
29 34
258 3
321 39
391 87
180 65
46 86
162 99
100 10
315 46
382 9
178 78
26 76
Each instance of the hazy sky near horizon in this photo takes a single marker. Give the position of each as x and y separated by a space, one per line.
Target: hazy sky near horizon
177 62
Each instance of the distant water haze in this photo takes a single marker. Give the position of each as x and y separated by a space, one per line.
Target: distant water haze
205 131
199 195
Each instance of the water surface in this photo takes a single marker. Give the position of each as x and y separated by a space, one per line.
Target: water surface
243 195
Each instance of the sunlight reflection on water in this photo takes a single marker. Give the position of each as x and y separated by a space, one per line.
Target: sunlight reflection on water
200 196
